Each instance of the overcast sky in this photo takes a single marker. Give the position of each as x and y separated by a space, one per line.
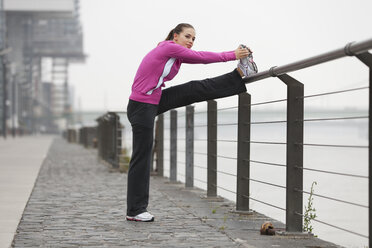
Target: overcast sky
118 34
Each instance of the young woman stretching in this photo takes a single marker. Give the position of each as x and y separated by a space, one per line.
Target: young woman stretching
147 100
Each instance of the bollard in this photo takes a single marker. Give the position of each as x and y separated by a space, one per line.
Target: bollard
295 137
243 165
173 146
212 149
189 181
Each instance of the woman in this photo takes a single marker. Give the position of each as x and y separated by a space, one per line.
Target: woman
147 100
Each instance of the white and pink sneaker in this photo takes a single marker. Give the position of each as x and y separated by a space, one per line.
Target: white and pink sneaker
143 217
247 65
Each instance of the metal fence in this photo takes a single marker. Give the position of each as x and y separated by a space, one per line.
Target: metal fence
88 136
109 138
71 135
294 145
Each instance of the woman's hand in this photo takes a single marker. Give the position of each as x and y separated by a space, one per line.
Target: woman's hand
242 52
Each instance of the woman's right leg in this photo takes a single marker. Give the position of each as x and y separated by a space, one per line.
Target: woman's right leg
181 95
141 116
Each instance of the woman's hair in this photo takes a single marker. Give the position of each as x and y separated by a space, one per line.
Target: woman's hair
178 29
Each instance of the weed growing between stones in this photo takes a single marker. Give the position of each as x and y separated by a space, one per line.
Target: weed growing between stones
310 211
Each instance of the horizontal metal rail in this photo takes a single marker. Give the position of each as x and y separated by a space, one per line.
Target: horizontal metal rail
201 167
226 173
219 187
332 172
222 109
267 163
201 153
268 102
265 203
337 227
228 124
198 180
334 92
352 48
266 143
201 112
331 198
267 122
221 140
337 118
331 145
204 125
271 184
220 156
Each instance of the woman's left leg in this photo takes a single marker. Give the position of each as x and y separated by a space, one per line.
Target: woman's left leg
201 90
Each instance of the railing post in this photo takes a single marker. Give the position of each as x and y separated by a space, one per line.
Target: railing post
189 147
117 140
244 136
366 58
295 136
160 146
99 135
212 149
173 146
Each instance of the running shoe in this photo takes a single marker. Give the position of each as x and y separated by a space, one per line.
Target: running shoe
247 65
143 217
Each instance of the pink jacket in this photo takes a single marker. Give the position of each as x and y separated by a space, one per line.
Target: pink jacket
162 63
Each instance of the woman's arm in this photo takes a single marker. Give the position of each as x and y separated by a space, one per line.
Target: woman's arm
196 57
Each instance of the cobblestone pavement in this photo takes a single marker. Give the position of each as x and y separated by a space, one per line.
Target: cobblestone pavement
79 202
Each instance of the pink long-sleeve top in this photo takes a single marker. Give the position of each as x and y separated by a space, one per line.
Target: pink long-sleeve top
163 63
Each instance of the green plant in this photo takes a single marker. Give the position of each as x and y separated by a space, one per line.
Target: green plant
310 211
214 210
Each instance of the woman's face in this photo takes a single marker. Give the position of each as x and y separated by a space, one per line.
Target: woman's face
186 38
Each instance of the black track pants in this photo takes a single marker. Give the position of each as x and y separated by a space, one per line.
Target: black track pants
142 117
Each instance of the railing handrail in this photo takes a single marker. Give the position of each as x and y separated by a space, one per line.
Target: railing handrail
350 49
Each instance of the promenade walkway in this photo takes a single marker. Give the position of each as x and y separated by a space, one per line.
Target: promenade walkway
79 202
20 161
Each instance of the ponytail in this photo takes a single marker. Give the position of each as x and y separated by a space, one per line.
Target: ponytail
177 30
170 35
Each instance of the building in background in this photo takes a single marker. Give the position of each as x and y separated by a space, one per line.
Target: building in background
3 85
38 32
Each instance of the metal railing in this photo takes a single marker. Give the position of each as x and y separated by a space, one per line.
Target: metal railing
71 135
88 136
294 141
109 138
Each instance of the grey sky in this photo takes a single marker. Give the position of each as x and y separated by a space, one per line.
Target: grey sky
119 33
